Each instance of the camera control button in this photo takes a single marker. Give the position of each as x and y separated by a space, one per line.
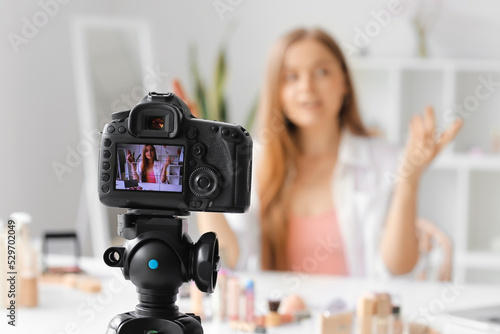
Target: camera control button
214 128
106 154
191 133
225 132
107 142
198 150
203 182
111 129
106 166
234 135
105 189
193 163
105 177
122 129
195 204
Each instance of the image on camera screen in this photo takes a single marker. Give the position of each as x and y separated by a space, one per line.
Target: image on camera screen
149 167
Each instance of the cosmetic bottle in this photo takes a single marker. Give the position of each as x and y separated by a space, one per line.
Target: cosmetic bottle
219 297
340 323
196 300
233 299
364 314
249 301
383 320
28 272
398 327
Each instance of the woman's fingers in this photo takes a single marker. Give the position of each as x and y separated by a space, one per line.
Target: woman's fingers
430 122
417 127
423 142
449 134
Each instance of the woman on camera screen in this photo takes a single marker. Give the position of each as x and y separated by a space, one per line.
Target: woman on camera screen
150 169
323 201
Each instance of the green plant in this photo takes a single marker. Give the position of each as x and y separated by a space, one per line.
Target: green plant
212 101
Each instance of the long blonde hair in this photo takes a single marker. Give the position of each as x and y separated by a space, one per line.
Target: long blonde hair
146 163
280 148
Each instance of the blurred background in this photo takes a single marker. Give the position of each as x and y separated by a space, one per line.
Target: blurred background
66 65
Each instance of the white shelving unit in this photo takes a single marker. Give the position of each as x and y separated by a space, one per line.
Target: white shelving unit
461 190
174 173
174 170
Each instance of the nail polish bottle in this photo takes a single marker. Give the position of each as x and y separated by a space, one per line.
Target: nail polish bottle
398 327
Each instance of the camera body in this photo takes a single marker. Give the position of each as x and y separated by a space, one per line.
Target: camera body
188 164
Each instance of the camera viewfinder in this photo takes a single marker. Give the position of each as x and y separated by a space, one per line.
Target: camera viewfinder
155 123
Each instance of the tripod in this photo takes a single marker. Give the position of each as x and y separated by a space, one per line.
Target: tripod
158 257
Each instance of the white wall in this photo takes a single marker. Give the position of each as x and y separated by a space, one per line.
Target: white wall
37 90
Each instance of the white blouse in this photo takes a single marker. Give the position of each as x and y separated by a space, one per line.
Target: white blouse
362 186
156 169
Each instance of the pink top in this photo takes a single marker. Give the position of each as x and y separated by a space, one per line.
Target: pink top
150 177
314 245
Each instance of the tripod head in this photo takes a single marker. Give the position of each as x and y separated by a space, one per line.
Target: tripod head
158 256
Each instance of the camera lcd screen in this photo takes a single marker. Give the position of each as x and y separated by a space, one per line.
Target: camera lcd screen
149 167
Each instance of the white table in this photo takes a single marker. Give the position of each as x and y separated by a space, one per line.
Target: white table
67 311
147 186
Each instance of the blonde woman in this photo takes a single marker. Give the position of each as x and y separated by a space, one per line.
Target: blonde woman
322 201
150 169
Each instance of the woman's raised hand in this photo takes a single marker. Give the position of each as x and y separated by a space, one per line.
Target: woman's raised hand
130 159
181 93
423 145
169 160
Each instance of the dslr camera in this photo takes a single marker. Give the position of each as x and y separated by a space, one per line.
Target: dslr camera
194 164
160 162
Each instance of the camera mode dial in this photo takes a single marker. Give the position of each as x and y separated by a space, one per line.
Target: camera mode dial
203 182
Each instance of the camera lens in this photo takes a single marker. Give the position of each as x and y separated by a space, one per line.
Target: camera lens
155 123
